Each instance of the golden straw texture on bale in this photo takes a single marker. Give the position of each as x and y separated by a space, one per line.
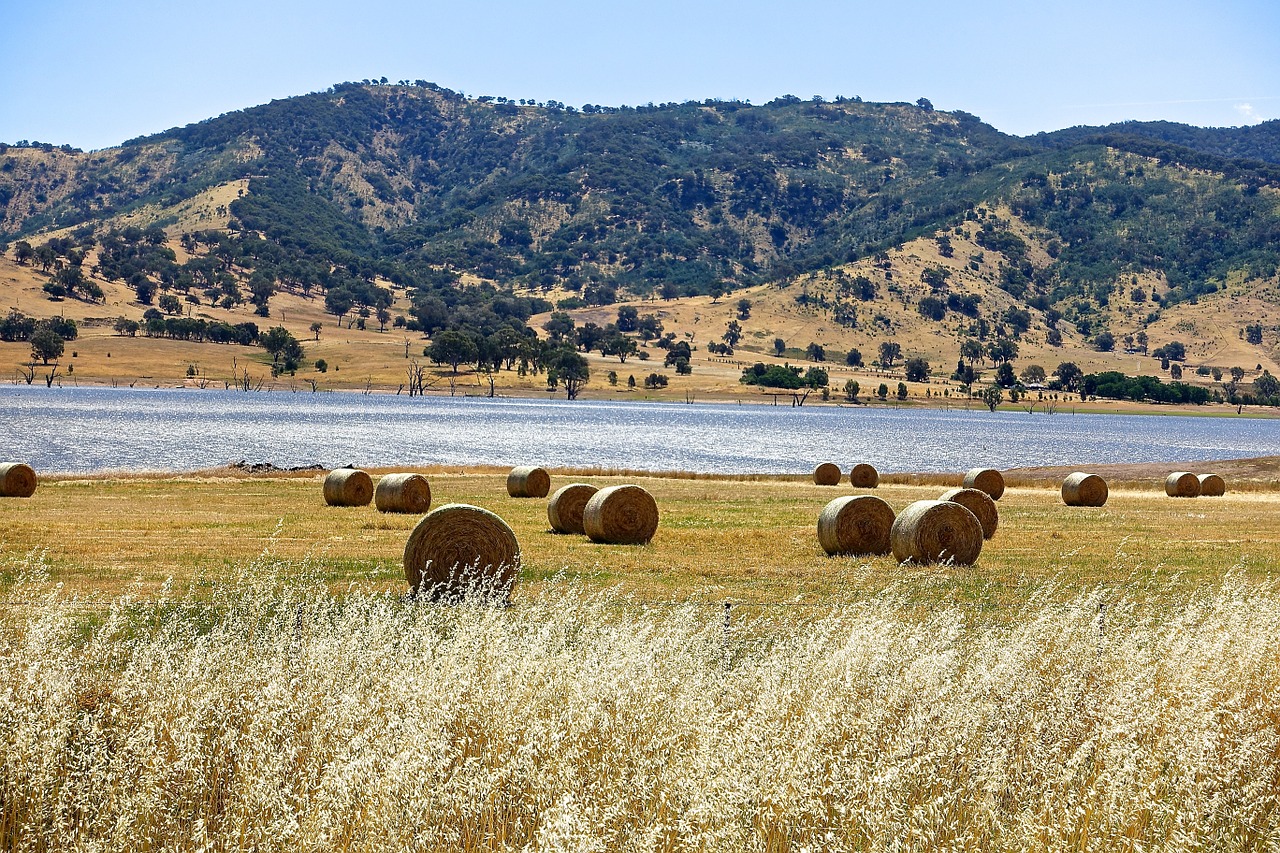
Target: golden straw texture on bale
528 481
864 476
402 493
1182 484
855 525
988 480
980 504
459 549
17 480
566 506
936 531
348 487
621 515
1212 486
827 474
1083 489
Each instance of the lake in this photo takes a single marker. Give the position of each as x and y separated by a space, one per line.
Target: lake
81 430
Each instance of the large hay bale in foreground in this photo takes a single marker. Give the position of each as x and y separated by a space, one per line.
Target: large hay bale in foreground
457 550
566 506
528 481
1083 489
17 480
1212 486
402 493
348 487
980 504
621 515
1182 484
936 531
864 476
855 525
988 480
827 474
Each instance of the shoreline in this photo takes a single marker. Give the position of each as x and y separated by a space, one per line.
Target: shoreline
721 397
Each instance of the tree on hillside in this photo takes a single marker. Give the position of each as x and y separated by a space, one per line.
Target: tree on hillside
890 351
733 333
744 309
46 344
917 370
315 329
568 368
779 347
451 347
1069 375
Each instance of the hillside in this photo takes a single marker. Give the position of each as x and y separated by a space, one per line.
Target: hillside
412 211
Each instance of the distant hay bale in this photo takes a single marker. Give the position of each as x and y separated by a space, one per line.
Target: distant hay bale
457 550
936 531
528 481
864 476
348 487
855 525
988 480
1182 484
17 480
980 504
566 506
402 493
1082 489
827 474
1212 486
621 515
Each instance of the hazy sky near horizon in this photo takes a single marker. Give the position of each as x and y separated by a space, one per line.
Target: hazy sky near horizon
92 74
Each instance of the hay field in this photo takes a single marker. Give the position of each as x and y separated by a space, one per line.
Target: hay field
749 540
1102 679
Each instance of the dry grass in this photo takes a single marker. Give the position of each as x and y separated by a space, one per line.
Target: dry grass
273 716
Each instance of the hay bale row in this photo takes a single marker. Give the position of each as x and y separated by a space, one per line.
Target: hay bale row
826 474
864 476
460 550
565 509
855 525
17 480
1084 489
1182 484
988 480
1212 486
861 476
528 481
934 532
621 515
402 493
348 487
980 504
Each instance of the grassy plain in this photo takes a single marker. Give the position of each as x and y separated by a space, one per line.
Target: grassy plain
744 539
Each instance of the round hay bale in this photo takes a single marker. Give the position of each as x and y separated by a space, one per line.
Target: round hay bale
621 515
17 480
566 506
403 493
864 476
1212 486
988 480
827 474
457 550
980 504
1182 484
936 531
528 481
855 525
348 487
1082 489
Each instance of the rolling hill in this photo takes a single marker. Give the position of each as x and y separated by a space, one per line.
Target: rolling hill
846 224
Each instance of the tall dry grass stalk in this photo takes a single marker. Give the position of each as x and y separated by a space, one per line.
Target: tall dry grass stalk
274 716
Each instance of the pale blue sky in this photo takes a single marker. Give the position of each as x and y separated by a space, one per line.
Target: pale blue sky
93 73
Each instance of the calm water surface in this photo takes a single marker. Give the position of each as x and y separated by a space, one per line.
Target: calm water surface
102 429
